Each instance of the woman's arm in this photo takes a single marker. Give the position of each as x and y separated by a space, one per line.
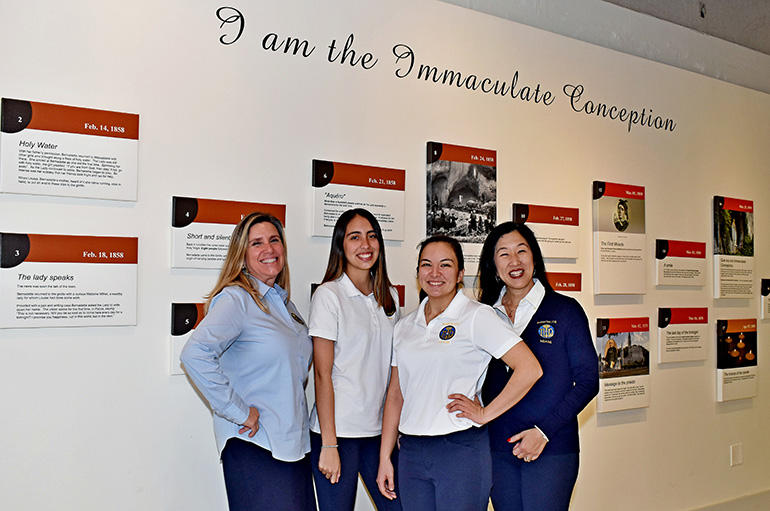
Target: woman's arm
323 361
220 328
526 371
583 371
391 415
583 375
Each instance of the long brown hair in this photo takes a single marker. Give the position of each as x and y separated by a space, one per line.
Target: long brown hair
233 270
379 271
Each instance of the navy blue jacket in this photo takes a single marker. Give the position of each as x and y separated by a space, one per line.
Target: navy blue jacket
559 336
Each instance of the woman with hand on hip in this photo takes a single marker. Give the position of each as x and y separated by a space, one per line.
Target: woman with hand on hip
250 357
352 315
441 353
535 444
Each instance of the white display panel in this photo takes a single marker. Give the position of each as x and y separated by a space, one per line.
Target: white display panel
52 280
623 347
619 240
69 151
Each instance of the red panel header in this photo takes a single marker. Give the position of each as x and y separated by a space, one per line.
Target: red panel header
369 177
689 315
739 205
553 215
55 248
624 191
741 325
469 155
212 211
691 249
565 281
618 325
84 121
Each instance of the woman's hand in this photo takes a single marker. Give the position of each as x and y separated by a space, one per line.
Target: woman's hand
528 444
467 408
252 423
329 464
386 480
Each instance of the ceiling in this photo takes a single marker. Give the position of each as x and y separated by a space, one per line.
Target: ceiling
744 22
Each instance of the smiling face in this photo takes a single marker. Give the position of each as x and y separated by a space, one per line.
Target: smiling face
514 263
265 253
361 246
438 272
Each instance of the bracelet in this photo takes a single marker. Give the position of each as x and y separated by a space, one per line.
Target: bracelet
541 432
329 446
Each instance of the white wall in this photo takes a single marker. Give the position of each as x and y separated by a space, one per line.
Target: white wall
91 418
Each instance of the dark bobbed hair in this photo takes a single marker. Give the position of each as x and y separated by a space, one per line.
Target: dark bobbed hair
441 238
233 272
487 283
338 263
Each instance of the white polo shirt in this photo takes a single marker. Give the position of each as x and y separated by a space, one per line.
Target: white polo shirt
363 341
449 355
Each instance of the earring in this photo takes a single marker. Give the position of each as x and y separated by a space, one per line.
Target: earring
497 278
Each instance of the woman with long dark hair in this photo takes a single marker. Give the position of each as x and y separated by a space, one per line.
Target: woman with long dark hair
535 445
441 352
352 315
249 357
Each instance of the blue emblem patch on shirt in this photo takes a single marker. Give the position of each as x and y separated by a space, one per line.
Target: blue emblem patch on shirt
546 331
447 333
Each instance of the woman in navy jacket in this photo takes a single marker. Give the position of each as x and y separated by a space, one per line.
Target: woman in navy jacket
535 446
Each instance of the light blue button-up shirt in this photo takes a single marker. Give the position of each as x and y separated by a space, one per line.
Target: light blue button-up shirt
239 357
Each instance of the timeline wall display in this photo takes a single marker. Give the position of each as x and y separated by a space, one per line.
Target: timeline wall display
52 280
682 334
338 187
201 229
619 239
185 318
461 196
680 263
565 281
556 228
765 299
48 149
736 359
623 347
733 248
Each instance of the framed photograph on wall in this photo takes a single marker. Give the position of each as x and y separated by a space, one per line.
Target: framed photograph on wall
461 196
733 247
623 347
619 239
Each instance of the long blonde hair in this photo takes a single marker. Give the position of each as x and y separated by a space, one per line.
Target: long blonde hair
233 270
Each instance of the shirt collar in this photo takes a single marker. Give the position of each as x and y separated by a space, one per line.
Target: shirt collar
534 297
348 286
264 289
453 310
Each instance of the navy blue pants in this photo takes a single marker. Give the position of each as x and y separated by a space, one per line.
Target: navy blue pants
255 481
357 456
542 485
445 473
